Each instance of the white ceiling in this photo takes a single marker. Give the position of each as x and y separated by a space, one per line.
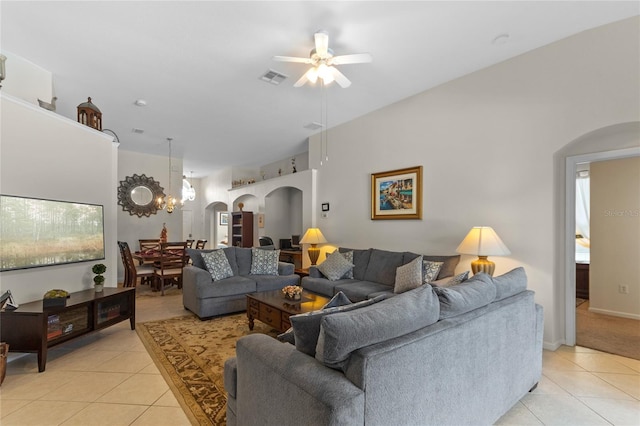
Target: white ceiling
197 64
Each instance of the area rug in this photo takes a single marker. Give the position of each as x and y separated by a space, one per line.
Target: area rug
191 353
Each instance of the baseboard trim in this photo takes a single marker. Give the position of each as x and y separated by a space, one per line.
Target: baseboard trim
549 346
614 313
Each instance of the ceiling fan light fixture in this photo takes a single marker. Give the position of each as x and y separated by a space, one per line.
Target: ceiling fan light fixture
325 73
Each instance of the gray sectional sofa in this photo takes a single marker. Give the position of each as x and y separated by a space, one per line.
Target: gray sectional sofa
206 298
457 355
373 273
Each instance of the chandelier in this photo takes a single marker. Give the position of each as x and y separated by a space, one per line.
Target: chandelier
168 201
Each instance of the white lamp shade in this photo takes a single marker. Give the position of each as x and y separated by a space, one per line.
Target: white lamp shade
483 241
313 236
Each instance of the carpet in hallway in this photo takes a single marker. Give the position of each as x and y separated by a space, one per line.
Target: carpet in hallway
190 355
620 336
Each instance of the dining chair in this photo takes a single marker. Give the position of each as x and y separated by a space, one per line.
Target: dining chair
132 271
200 244
149 244
190 243
173 258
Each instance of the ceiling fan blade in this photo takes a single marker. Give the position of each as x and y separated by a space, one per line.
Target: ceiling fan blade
340 78
356 58
292 59
322 43
302 81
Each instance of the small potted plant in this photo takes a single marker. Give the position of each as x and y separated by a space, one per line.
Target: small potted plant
98 280
292 292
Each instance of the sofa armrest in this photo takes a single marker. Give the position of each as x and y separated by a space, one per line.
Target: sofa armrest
305 388
192 275
231 376
285 268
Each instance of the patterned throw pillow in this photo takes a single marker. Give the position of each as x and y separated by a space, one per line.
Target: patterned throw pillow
264 262
430 270
458 279
335 266
408 276
217 265
349 256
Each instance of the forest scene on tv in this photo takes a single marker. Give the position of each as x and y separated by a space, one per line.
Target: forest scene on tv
35 232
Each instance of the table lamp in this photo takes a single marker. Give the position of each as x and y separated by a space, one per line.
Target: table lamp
313 236
483 242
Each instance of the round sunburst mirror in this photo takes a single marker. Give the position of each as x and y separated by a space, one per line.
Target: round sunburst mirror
137 195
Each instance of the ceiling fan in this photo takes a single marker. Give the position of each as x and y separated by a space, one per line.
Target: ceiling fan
323 62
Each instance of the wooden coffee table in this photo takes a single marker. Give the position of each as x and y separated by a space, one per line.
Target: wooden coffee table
273 309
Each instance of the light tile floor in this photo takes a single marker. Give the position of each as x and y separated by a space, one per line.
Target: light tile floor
108 378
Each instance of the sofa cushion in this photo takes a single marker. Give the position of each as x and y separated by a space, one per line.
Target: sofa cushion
357 291
243 256
430 270
273 282
264 262
306 327
231 286
217 265
408 276
360 261
344 332
382 266
511 283
474 293
338 300
335 266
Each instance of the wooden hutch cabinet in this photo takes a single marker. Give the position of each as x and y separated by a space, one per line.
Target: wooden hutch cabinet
242 229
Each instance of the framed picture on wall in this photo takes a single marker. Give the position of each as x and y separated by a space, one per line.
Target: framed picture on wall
397 194
224 219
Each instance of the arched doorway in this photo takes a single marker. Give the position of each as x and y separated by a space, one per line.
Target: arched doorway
215 228
616 141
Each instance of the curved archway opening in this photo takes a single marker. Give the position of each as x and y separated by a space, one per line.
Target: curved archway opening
215 225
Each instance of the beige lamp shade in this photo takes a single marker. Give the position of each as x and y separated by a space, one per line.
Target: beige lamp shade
483 242
313 236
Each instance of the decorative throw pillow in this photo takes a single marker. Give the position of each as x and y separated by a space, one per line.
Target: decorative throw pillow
306 327
335 266
264 262
430 270
196 257
446 282
467 296
217 265
349 256
408 276
339 299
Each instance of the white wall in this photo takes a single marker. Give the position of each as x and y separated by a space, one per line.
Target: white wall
131 228
35 162
26 80
615 246
488 143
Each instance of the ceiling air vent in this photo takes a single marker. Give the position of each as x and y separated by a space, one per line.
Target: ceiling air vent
136 130
313 126
273 77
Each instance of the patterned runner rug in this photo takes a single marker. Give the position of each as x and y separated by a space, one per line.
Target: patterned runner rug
191 353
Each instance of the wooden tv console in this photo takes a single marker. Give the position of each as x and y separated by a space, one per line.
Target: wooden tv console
32 328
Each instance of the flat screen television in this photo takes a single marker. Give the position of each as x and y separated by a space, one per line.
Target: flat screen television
36 232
